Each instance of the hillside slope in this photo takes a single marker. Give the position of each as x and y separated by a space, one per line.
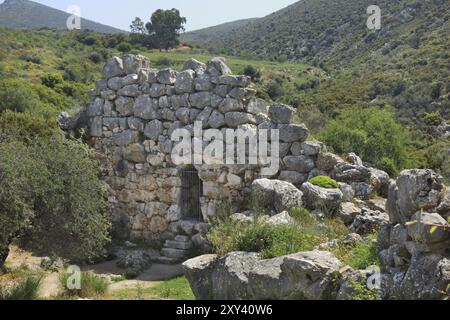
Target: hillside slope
214 34
24 14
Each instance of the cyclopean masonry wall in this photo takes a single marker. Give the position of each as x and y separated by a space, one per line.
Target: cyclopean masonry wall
133 113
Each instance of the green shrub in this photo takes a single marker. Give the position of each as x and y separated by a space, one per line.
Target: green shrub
33 58
252 72
274 90
324 182
51 198
124 47
26 289
18 95
95 57
50 80
372 133
91 285
27 126
163 62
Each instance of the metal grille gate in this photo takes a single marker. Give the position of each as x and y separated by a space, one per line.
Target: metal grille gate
191 191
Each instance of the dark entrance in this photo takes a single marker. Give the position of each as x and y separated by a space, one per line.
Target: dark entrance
191 191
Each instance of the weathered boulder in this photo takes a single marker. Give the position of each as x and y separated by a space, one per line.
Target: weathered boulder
426 276
134 262
348 212
113 68
414 190
281 219
217 67
281 113
428 228
327 161
326 200
276 195
197 66
185 82
293 132
369 221
244 276
301 164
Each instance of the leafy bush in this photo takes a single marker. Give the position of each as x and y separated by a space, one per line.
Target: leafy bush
163 62
27 126
124 47
91 285
324 182
95 57
33 58
18 95
50 80
252 72
274 90
362 293
26 289
372 133
51 198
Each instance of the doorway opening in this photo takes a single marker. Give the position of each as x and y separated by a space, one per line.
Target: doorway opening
191 191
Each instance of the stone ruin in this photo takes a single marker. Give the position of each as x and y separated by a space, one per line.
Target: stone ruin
133 113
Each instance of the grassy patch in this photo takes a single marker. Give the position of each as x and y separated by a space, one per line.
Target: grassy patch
362 293
91 285
175 289
273 241
359 256
25 289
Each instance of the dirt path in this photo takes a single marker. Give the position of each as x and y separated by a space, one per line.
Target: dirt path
50 286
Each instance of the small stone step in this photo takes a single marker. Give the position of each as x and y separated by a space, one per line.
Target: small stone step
182 238
174 253
178 245
165 260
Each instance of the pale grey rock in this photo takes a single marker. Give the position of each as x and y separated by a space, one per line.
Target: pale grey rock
293 177
293 132
146 108
217 67
157 90
302 164
134 63
327 161
95 108
96 128
125 138
414 190
115 83
234 119
348 212
216 120
129 91
242 94
167 76
200 99
203 83
230 105
113 68
195 65
276 194
153 129
326 200
185 82
234 81
130 79
281 113
180 101
135 153
124 105
257 106
421 230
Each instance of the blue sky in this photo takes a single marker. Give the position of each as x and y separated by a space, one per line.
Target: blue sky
199 13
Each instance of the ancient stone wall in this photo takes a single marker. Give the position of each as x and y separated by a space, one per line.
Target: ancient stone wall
134 111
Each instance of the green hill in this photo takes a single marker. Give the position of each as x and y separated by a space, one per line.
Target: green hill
24 14
215 34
